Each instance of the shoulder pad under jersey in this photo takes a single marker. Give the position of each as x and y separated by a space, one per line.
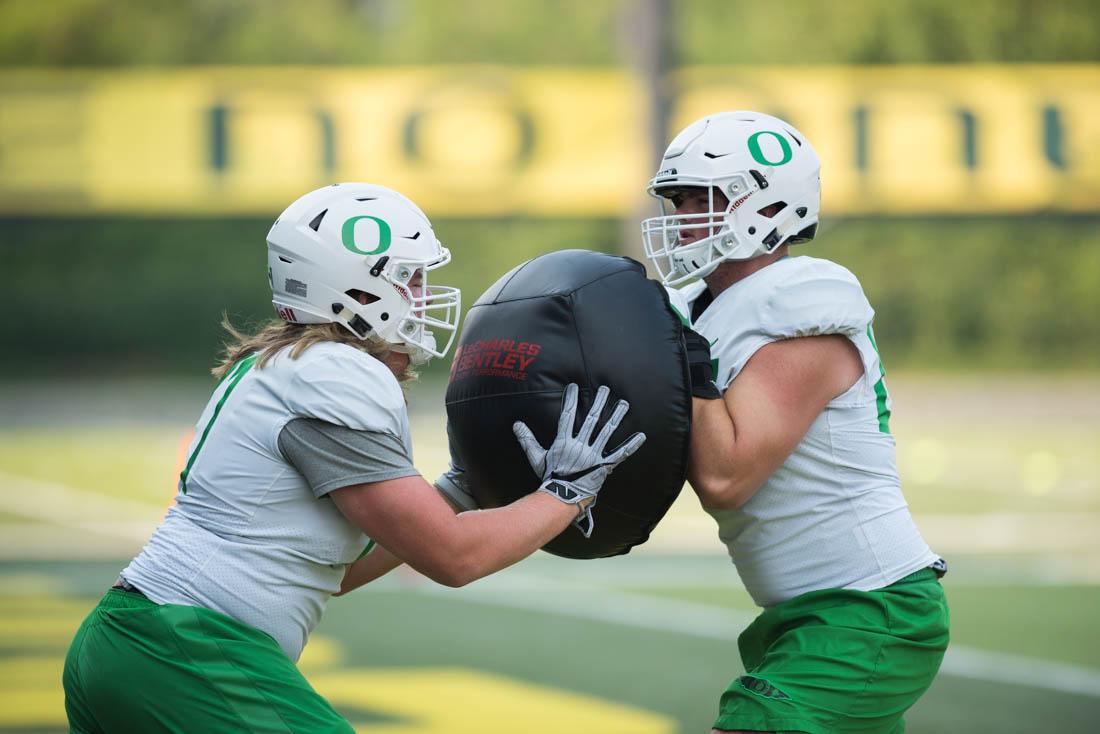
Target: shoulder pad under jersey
345 386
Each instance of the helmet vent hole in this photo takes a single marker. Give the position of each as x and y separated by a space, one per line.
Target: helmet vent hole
415 236
367 198
316 222
715 155
759 178
792 137
771 210
291 262
364 298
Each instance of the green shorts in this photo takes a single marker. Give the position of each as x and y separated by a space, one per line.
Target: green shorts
137 666
839 660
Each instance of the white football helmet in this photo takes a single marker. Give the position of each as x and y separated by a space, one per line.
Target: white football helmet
345 239
755 161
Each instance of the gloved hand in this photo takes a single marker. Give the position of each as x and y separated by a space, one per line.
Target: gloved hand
700 366
574 468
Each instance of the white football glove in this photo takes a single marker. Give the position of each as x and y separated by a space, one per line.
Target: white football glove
574 468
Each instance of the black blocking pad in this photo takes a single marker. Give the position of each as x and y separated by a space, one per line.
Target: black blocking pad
583 317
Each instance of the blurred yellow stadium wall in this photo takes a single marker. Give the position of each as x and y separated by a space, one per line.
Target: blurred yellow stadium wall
483 140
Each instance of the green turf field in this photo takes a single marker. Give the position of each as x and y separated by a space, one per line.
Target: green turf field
639 644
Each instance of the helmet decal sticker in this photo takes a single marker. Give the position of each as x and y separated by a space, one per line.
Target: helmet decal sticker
296 288
347 235
758 155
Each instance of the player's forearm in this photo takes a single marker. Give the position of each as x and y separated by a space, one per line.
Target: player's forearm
408 517
487 541
377 563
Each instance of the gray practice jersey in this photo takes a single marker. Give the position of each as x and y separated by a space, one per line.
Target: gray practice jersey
252 533
832 515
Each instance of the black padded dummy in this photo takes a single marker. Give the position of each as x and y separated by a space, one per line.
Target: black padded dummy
583 317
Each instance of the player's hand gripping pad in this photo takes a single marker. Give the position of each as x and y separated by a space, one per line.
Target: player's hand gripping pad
583 317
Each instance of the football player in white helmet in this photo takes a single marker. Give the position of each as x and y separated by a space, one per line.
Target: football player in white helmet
359 255
732 186
301 461
791 448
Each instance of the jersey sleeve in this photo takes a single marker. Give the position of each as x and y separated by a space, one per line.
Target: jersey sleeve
349 388
823 298
792 298
331 457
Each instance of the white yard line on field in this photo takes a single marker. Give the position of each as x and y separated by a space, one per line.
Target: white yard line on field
685 529
77 509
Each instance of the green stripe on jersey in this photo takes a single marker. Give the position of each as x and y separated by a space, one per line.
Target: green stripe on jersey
232 378
368 549
880 388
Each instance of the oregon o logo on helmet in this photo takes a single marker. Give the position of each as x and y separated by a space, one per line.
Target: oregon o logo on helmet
347 235
758 155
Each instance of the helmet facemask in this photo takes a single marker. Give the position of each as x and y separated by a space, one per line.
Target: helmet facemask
720 235
429 314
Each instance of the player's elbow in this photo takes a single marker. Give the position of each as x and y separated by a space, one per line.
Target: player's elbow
723 493
719 503
451 566
456 581
454 574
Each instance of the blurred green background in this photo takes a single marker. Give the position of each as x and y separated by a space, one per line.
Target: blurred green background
966 291
988 319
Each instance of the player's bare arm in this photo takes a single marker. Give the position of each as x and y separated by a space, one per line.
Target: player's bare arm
378 562
374 565
739 441
401 513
